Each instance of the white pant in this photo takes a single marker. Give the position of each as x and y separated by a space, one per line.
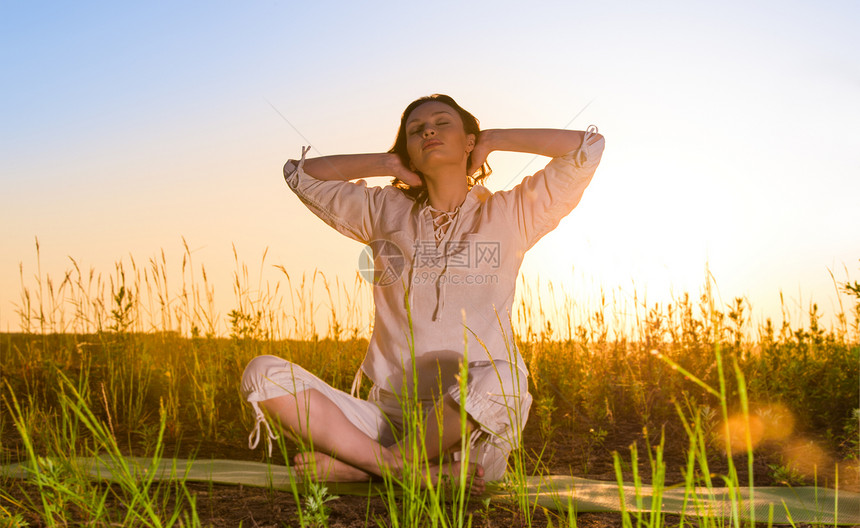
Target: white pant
497 399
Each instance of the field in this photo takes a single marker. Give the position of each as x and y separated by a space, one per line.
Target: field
691 393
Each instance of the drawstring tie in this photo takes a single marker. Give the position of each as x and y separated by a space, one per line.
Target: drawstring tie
305 151
442 223
356 384
440 292
408 297
254 438
298 166
581 157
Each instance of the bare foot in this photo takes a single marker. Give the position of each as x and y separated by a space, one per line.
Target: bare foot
323 467
450 472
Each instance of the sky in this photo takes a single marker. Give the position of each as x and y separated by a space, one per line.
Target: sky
732 133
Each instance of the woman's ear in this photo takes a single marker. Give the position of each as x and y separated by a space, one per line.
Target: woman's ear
470 142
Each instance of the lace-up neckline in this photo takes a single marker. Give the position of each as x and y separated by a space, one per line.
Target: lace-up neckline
442 220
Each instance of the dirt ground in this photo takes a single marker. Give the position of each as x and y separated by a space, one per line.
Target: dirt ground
566 453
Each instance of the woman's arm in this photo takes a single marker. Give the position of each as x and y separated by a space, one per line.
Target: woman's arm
345 167
542 141
536 205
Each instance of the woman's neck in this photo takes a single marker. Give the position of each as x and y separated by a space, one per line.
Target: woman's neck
446 192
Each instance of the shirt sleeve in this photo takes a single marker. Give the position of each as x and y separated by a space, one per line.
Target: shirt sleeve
539 202
349 207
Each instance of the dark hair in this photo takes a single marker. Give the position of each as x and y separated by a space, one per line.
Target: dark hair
470 126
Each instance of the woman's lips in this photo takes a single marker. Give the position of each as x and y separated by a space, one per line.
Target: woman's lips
431 143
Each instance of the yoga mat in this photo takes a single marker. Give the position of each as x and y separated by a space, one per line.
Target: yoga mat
558 492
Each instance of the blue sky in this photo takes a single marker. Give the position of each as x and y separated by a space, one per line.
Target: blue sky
732 132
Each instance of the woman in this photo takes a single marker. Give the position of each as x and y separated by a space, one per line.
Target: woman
446 298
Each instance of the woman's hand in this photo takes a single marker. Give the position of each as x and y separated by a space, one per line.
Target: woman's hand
402 173
480 152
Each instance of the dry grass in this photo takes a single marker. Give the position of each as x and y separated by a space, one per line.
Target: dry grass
155 363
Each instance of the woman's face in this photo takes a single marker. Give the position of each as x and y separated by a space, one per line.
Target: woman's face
435 138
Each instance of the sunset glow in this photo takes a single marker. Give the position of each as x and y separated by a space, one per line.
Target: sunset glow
731 138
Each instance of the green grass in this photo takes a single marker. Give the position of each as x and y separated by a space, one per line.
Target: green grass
129 364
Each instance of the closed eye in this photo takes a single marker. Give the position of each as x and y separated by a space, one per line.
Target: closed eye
418 130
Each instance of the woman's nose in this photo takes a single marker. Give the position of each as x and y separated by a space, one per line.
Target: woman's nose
429 131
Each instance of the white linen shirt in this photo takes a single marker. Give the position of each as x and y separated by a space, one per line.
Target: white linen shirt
458 295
